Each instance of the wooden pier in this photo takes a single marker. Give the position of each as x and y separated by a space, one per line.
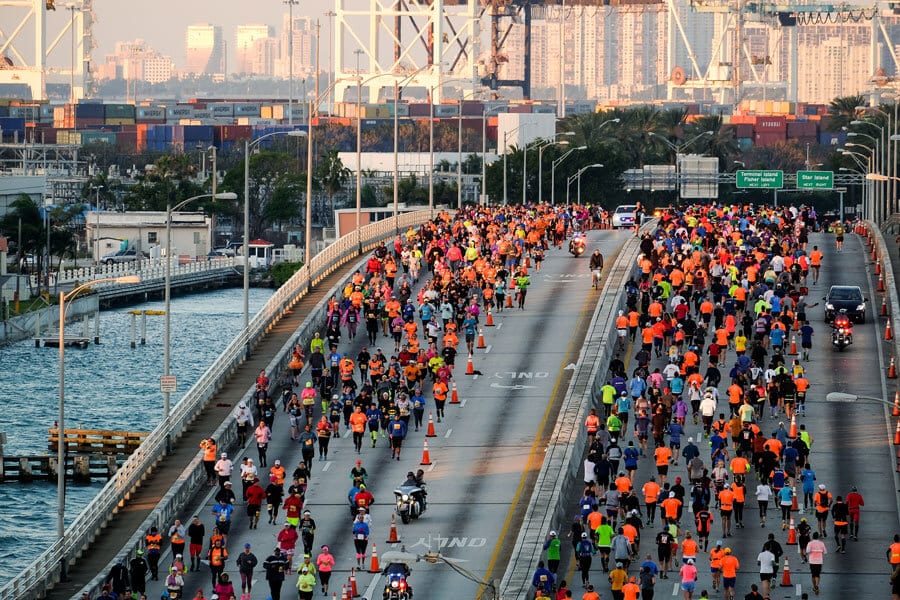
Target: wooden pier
90 454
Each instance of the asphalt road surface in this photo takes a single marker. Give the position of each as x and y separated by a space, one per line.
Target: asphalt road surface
482 457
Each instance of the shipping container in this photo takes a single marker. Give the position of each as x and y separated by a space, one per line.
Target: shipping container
520 108
89 111
179 112
796 129
768 138
472 108
771 124
232 133
446 110
419 109
120 121
150 113
221 109
12 124
118 111
829 138
742 130
247 109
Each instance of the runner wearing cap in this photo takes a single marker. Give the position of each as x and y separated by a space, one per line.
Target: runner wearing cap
688 574
730 566
552 546
584 552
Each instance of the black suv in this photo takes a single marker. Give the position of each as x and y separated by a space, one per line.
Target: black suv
848 298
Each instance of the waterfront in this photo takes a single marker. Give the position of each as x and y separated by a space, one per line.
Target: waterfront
110 386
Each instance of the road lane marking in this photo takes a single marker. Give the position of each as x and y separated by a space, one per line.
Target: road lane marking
499 325
449 431
488 349
675 589
586 309
462 402
431 466
325 467
372 586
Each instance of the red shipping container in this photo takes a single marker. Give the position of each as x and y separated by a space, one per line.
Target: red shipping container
472 108
520 108
768 138
771 124
419 109
232 133
743 130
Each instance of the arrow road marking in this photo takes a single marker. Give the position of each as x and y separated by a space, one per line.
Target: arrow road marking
512 387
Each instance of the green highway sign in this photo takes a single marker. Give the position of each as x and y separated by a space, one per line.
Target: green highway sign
760 179
815 180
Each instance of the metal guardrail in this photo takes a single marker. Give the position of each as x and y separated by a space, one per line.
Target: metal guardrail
44 572
147 269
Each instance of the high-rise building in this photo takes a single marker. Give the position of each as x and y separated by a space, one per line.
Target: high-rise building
833 60
205 50
304 48
136 61
246 50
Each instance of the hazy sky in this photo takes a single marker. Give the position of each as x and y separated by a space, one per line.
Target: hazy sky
162 23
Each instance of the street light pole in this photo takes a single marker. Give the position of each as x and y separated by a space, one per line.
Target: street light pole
553 166
248 145
168 297
61 411
290 4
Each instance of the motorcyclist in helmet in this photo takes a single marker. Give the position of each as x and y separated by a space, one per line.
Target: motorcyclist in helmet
841 320
410 480
576 242
397 574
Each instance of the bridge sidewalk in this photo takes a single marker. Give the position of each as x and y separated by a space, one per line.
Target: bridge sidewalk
129 518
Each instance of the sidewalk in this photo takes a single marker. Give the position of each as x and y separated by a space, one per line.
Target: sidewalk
124 524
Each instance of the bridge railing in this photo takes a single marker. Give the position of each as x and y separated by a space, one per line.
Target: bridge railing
146 269
44 572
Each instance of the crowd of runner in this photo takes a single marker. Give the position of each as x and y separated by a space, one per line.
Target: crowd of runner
705 392
418 305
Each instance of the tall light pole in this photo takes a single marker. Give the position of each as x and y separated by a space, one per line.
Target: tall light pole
168 295
553 166
577 177
248 145
484 150
525 163
541 149
65 298
290 5
72 7
399 85
309 163
505 148
331 15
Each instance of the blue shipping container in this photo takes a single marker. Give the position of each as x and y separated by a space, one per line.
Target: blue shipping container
89 111
832 138
9 124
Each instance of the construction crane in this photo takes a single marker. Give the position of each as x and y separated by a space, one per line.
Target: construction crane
26 52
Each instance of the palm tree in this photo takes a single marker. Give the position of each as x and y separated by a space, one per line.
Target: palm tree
842 110
720 144
332 174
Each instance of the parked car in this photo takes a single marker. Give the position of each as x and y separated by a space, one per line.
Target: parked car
845 297
122 256
624 216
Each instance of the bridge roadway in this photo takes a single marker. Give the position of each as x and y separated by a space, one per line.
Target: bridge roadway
488 450
485 452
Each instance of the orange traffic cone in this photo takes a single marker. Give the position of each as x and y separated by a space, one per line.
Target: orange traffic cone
430 432
354 591
454 393
897 435
786 576
892 370
508 303
426 458
374 566
490 319
793 351
896 412
793 431
888 332
874 253
792 534
470 368
345 593
881 283
884 306
393 538
481 343
794 506
334 596
878 267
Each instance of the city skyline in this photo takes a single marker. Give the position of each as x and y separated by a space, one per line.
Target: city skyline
163 28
